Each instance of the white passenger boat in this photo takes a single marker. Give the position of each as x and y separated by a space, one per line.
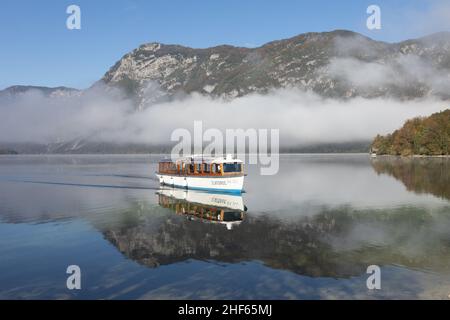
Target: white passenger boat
220 174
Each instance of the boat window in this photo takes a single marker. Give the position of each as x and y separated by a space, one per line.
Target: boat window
231 167
232 216
168 167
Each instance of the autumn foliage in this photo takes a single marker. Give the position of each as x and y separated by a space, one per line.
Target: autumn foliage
419 136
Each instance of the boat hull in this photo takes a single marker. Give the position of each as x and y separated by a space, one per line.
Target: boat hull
232 184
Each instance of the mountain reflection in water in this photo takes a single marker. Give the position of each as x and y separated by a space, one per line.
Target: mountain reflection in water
310 231
339 242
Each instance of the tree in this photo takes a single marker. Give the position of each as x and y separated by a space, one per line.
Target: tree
418 136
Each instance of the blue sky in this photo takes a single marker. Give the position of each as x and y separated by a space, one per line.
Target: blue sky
38 49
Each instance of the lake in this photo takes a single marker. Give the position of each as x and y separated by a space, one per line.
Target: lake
309 232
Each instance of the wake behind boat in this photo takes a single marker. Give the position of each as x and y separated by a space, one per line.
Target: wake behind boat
220 174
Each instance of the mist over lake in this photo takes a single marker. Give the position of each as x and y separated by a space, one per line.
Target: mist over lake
325 219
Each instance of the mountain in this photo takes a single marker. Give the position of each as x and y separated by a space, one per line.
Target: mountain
15 91
419 136
6 151
338 64
11 94
312 61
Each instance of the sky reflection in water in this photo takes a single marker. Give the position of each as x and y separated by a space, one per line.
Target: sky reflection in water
309 231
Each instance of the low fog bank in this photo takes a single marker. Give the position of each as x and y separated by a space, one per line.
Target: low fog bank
303 118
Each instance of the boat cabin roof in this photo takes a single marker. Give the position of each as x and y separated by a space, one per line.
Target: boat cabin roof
204 159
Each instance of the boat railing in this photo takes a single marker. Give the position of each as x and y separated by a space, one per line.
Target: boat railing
198 169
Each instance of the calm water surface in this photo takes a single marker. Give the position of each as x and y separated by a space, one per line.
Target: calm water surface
308 232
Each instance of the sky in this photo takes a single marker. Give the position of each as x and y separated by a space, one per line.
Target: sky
38 49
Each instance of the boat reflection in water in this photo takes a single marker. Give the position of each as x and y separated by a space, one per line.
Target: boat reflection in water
227 209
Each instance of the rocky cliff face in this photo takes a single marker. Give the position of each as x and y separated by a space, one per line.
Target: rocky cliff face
339 64
319 62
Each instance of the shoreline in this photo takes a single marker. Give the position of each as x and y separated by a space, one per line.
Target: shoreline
412 156
280 153
167 153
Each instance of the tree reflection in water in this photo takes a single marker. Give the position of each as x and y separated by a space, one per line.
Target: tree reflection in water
420 175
